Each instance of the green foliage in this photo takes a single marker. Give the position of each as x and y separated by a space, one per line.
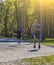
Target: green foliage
11 16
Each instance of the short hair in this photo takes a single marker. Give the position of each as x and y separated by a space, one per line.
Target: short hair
36 20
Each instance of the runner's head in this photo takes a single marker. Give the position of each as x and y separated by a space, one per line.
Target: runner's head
35 21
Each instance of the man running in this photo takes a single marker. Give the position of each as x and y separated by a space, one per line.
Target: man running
35 30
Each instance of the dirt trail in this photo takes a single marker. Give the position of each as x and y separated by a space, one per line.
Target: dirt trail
12 51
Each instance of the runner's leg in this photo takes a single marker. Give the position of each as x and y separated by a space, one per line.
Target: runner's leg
34 42
38 35
39 43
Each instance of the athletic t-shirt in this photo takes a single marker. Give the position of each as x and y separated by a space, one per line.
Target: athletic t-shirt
34 27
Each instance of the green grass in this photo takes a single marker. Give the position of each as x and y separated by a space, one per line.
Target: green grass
45 60
48 41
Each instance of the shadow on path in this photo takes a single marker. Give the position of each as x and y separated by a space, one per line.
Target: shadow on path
34 50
